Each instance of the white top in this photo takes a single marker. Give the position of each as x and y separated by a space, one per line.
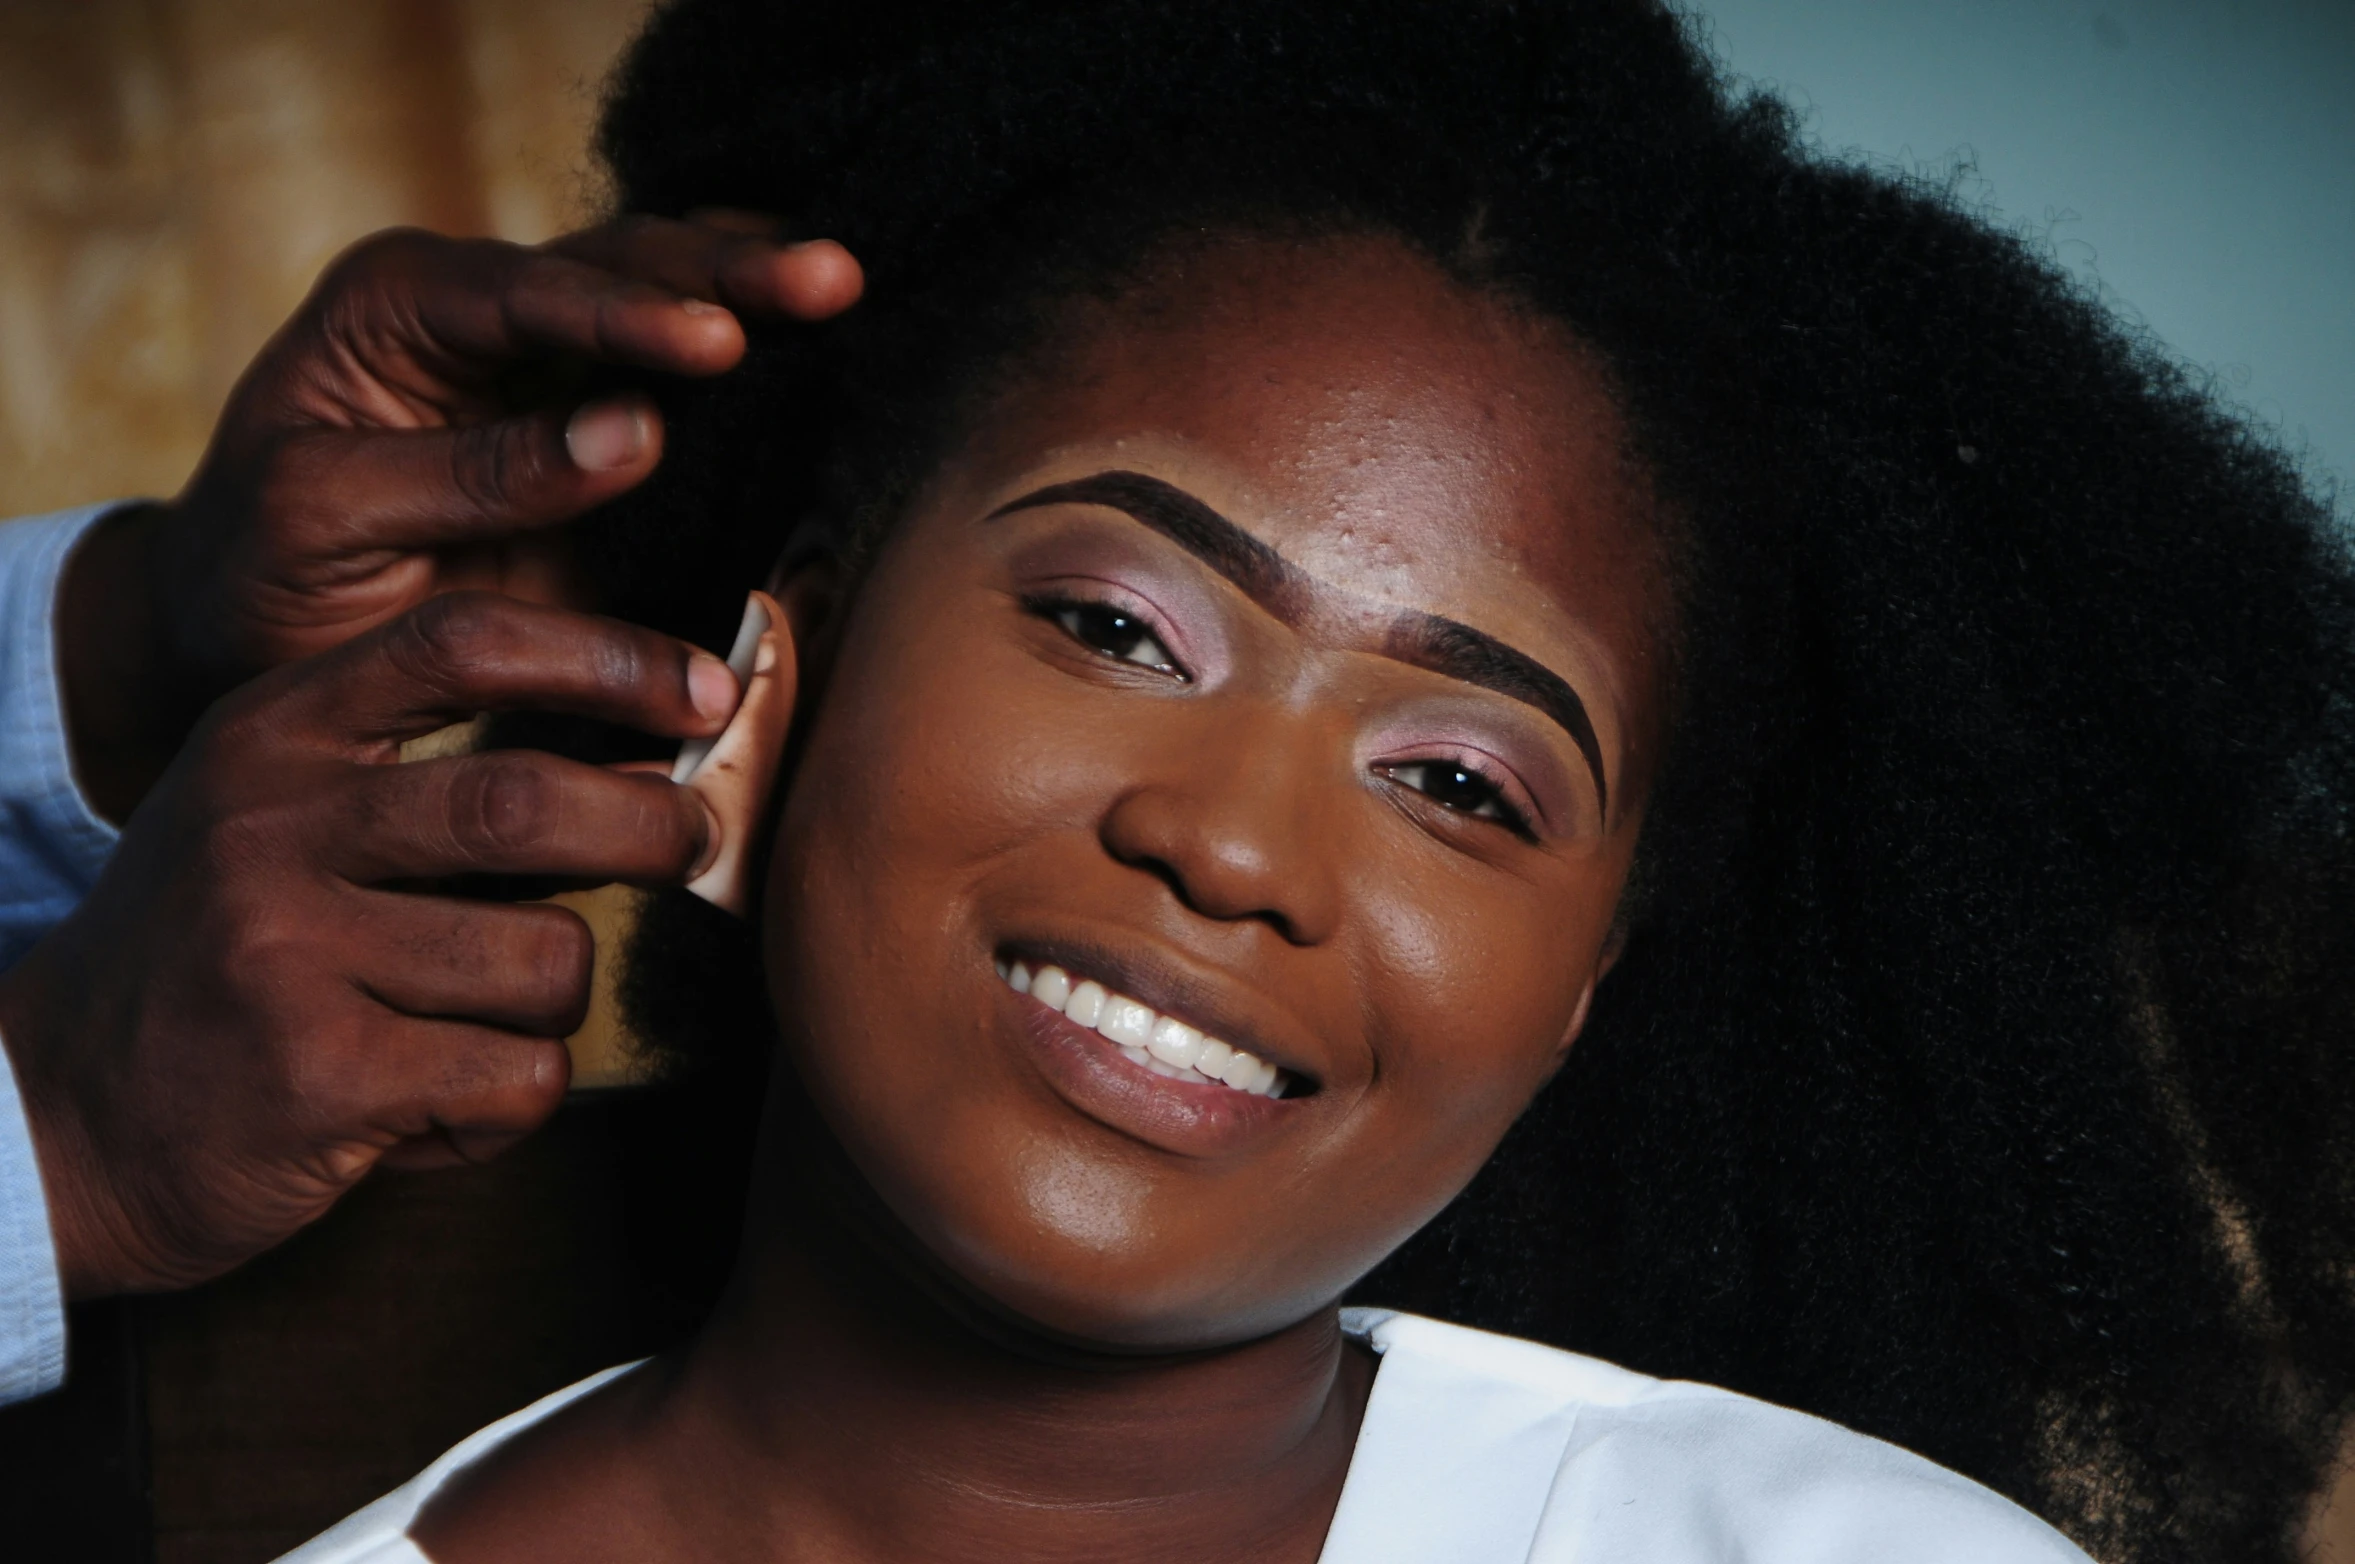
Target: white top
1480 1449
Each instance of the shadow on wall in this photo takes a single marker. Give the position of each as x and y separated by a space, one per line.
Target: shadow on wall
174 173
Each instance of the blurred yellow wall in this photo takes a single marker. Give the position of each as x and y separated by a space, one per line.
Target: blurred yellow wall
174 173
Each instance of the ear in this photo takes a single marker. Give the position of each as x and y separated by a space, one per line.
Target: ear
735 772
807 581
1614 946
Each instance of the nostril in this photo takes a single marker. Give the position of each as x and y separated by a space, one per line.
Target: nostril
1234 850
1219 891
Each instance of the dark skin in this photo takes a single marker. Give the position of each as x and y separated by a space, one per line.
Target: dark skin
249 1012
1005 1294
387 445
251 1009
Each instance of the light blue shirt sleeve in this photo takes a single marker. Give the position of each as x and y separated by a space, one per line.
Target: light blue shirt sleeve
32 1303
52 845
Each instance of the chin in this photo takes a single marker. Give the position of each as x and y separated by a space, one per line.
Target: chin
1074 1249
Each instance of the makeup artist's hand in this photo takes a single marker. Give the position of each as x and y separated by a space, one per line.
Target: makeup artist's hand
262 998
406 433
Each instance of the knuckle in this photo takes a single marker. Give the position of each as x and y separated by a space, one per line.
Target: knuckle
618 661
450 637
503 804
494 466
275 951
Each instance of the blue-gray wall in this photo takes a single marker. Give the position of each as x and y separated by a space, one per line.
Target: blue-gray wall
2195 157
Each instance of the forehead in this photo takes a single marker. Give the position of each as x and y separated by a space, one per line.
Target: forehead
1389 430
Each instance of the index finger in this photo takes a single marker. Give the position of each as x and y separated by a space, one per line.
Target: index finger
724 257
463 653
442 320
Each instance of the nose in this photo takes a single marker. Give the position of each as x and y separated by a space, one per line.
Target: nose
1239 829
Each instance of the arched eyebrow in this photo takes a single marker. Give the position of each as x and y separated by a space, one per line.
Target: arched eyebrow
1285 590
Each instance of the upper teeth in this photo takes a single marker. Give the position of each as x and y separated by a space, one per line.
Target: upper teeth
1162 1044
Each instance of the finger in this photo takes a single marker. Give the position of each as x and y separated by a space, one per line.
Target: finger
723 257
467 309
515 812
467 652
519 968
454 1093
357 491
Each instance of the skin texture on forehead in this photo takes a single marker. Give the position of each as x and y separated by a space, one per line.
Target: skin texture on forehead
1417 455
974 788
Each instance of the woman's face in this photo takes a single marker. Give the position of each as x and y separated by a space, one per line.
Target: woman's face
1281 661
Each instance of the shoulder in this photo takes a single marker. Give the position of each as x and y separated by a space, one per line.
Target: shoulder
1560 1459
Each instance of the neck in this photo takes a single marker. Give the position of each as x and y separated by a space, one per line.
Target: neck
841 1401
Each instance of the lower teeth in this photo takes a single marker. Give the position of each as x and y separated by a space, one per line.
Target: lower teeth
1136 1055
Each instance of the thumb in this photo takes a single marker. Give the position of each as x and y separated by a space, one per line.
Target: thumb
734 775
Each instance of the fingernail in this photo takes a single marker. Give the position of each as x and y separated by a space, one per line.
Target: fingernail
604 435
714 838
710 685
700 307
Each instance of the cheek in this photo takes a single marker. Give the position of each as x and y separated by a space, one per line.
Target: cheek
1470 993
935 753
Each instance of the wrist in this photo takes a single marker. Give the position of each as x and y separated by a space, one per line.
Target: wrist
85 1229
125 707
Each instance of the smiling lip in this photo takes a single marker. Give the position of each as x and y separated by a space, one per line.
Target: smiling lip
1175 1108
1167 1045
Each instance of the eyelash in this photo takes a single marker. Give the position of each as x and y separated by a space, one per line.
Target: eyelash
1460 770
1073 614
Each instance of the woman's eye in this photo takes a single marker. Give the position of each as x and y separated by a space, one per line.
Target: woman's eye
1115 633
1459 788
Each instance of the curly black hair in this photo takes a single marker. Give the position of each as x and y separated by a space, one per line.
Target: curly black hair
1975 1072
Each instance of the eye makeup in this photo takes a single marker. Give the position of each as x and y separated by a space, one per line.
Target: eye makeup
1424 640
1108 629
1082 561
1532 774
1466 784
